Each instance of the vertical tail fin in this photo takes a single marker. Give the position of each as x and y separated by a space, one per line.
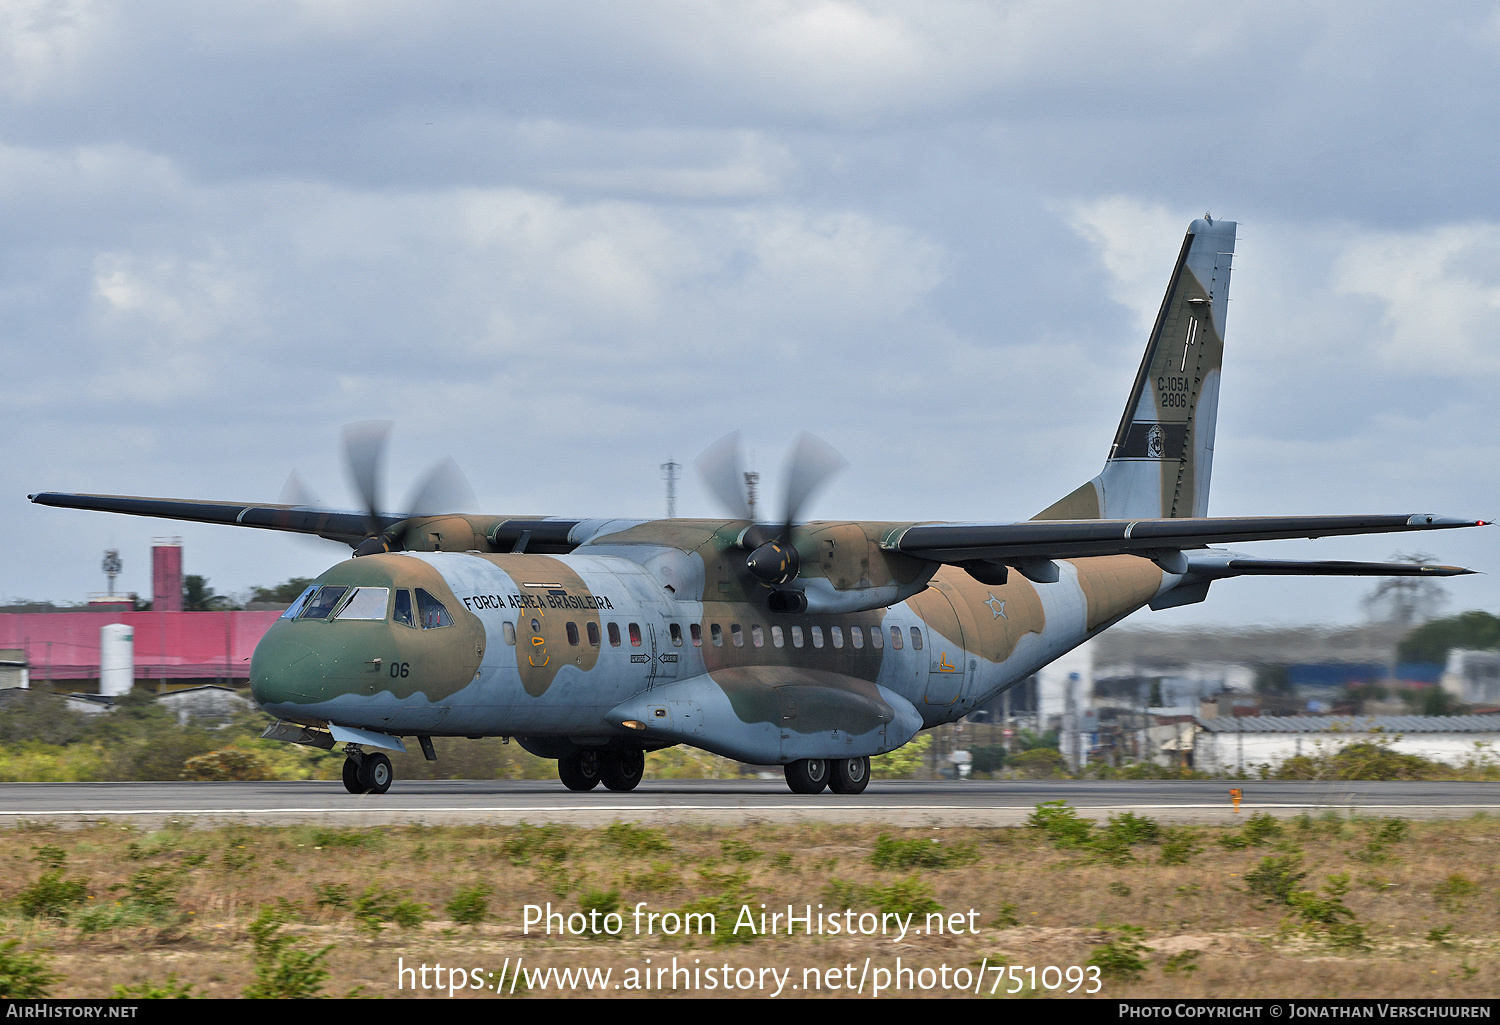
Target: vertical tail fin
1162 457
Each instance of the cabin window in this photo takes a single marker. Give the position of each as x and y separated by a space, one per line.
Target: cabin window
896 637
366 603
431 611
857 636
508 629
757 636
573 634
635 635
716 632
916 638
777 637
322 603
676 632
614 635
697 631
404 614
837 634
817 636
536 627
877 639
593 629
737 634
796 637
296 606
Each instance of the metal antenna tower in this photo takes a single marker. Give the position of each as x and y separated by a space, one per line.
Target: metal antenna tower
112 567
670 471
752 482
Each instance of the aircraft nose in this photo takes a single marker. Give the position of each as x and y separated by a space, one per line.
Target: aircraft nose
284 673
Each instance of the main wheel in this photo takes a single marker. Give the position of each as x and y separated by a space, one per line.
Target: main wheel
807 776
375 774
622 770
580 771
848 775
351 777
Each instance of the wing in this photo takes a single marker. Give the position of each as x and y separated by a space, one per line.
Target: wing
1000 544
348 527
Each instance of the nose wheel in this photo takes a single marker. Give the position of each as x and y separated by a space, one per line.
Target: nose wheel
367 773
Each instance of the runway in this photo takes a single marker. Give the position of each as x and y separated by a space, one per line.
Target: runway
900 803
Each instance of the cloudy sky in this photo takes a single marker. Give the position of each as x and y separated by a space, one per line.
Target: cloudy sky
564 242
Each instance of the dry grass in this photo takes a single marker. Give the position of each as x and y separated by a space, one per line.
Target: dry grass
1439 880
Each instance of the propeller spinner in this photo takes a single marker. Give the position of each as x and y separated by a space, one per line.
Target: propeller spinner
773 558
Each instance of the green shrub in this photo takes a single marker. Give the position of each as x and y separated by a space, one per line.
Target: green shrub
1061 824
739 850
52 896
1326 914
1122 959
169 990
470 906
908 897
920 852
1276 877
604 902
1179 846
373 908
1040 763
284 969
628 839
546 843
1453 893
24 976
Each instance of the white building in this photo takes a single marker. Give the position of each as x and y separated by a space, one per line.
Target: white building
1245 744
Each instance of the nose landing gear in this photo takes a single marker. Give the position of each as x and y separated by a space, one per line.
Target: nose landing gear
366 773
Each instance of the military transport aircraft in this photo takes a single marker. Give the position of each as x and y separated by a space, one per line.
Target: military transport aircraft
812 645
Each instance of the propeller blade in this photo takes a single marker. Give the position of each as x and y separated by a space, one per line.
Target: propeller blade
722 469
812 463
445 489
364 452
295 492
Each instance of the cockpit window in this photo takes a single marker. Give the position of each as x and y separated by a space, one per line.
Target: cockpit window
322 603
296 606
403 608
431 612
366 603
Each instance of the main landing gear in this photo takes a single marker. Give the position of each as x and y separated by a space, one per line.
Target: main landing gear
617 770
366 773
841 775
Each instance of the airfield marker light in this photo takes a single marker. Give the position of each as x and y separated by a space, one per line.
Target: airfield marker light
1235 795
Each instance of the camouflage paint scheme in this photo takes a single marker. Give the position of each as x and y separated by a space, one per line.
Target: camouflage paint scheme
738 685
573 635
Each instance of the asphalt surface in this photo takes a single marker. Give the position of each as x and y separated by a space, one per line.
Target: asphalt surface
969 803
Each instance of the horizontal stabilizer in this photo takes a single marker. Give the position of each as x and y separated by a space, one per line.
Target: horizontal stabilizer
1003 543
1215 565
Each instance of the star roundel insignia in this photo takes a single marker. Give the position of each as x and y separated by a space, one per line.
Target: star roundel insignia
997 607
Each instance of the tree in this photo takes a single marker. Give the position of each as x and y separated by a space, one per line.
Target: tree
284 593
1432 641
197 596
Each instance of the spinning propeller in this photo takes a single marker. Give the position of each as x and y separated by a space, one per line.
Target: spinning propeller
773 558
444 489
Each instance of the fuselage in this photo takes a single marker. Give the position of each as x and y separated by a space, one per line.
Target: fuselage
645 644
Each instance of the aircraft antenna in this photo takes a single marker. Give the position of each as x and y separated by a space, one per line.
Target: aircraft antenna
670 471
112 567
